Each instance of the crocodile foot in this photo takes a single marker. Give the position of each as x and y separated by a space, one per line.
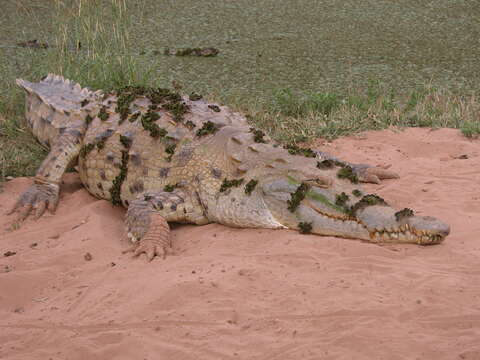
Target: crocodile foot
148 230
35 200
151 248
365 173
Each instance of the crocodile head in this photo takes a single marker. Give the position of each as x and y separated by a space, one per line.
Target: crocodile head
300 201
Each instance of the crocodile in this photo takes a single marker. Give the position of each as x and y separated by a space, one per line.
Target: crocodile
171 157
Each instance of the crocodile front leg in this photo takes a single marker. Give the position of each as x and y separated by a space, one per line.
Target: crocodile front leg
365 173
148 216
44 193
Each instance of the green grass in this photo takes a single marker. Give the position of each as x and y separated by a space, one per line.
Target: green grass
303 116
90 46
299 69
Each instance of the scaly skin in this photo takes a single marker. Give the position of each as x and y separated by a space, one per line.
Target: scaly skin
231 174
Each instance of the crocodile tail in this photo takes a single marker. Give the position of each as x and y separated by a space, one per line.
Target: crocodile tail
52 103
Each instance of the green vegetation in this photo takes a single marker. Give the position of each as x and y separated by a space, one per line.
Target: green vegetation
103 114
206 52
298 105
101 143
170 150
250 186
148 122
88 43
207 128
125 141
115 190
341 199
324 200
195 97
403 214
177 108
20 154
85 150
296 150
346 172
226 184
376 108
367 200
297 73
134 116
258 135
169 187
297 197
214 108
357 193
166 98
305 227
325 164
88 119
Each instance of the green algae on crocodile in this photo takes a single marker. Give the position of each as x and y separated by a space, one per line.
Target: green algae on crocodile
226 184
250 186
165 98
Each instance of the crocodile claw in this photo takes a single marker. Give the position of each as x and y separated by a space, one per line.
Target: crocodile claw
148 231
150 247
35 200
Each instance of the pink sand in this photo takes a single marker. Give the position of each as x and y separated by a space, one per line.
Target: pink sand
254 294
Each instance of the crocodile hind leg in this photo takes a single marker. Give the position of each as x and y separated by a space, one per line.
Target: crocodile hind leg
148 216
44 192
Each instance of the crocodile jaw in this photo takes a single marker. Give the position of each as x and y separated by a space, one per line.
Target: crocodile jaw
375 224
383 226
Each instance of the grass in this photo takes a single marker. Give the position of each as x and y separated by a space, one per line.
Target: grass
300 117
298 78
90 46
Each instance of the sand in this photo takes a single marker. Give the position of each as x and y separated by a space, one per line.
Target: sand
69 293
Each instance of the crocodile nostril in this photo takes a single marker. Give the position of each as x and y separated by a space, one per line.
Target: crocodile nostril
445 232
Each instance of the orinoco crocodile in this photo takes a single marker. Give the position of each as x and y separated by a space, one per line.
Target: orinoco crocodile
174 158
